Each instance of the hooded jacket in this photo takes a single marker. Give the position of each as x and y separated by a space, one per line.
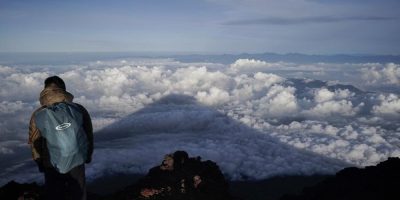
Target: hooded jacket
50 95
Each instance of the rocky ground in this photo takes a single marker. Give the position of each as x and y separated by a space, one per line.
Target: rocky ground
373 182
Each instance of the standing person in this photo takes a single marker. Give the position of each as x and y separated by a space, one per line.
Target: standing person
61 140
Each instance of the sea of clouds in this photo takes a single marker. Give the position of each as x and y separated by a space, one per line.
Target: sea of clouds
255 118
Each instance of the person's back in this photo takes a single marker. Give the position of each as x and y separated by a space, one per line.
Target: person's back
205 180
49 144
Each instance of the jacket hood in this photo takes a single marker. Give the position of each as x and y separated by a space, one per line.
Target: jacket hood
54 94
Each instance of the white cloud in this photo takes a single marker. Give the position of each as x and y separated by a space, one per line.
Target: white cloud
249 63
323 95
371 75
279 101
389 105
253 87
390 74
110 81
4 70
22 86
199 78
214 96
267 80
254 66
329 108
344 94
328 103
361 145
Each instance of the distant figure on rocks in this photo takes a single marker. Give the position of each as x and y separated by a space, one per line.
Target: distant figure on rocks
180 177
61 140
161 180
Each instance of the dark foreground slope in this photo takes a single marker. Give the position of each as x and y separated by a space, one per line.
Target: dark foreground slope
374 182
270 189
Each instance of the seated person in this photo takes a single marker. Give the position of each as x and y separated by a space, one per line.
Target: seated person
180 177
160 180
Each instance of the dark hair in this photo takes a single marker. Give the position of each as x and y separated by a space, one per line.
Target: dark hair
54 80
180 158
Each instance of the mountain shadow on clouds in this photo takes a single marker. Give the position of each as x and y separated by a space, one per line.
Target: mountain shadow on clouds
138 142
180 122
171 114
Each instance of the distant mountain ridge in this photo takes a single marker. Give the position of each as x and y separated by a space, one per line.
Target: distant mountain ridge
291 57
56 58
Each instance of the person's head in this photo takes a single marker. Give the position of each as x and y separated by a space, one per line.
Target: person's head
168 163
180 158
54 80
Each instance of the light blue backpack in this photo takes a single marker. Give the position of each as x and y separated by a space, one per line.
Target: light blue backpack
62 126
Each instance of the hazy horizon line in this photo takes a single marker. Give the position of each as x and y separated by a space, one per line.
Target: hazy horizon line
146 53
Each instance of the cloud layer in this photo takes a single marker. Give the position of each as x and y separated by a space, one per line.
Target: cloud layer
389 74
256 119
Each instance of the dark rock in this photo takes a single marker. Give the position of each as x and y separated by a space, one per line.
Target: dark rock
14 190
373 182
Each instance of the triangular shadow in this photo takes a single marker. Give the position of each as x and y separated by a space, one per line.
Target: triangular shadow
243 152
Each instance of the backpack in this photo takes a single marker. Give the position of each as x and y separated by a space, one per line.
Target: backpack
61 124
207 170
212 171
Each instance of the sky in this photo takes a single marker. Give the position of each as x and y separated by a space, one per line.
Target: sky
201 26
